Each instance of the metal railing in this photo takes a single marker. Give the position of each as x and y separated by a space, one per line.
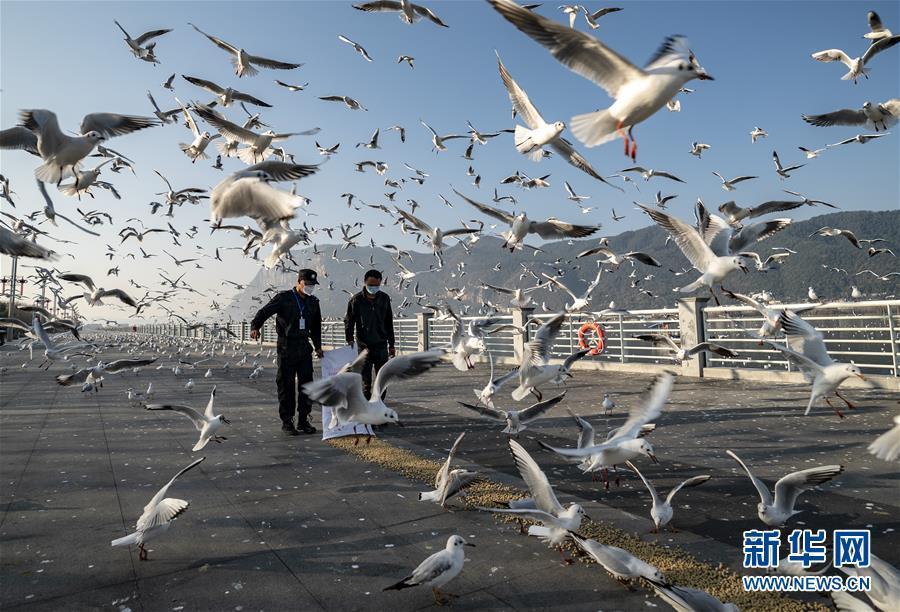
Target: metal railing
867 333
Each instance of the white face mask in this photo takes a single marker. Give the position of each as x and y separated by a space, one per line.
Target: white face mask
308 289
373 289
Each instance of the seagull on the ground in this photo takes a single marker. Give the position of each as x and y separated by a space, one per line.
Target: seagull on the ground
139 47
729 184
516 421
775 512
157 516
242 61
856 66
661 511
520 226
207 423
556 521
806 349
439 568
486 394
685 599
447 482
621 564
343 392
638 93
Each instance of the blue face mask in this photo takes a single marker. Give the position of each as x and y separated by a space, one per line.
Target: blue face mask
373 290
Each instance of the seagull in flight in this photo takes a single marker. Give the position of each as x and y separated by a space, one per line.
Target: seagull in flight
775 512
873 116
139 47
359 48
860 138
157 516
781 170
638 92
409 12
242 61
207 423
856 66
729 185
447 482
661 511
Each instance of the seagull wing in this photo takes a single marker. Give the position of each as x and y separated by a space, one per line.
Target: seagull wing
125 364
232 130
559 284
764 495
568 152
420 225
78 278
803 338
149 35
284 171
650 487
405 367
270 63
253 198
685 236
490 211
554 228
218 41
534 477
207 85
120 295
111 124
757 232
494 415
161 510
583 54
585 430
659 340
444 472
544 337
879 46
789 488
519 99
690 482
647 410
191 413
845 116
428 14
536 410
19 137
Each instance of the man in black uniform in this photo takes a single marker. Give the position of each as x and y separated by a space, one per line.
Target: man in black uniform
299 321
370 320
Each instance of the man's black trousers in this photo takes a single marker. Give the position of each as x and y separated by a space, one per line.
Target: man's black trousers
376 358
295 369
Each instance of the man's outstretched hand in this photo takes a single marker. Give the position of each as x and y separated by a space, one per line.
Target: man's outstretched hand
320 353
254 334
392 352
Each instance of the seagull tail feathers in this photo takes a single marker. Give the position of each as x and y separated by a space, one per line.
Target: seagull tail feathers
692 287
403 584
459 362
595 128
520 393
131 538
48 172
525 145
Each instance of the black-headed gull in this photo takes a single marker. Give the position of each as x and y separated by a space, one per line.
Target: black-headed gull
248 192
447 482
873 116
61 153
434 235
579 302
887 445
207 423
661 511
857 65
556 520
520 226
437 570
343 392
95 294
359 48
535 368
226 95
621 564
409 12
157 516
638 92
592 18
877 31
516 421
258 145
243 61
139 47
617 259
806 349
757 132
685 599
771 325
196 149
683 354
776 511
782 171
831 232
729 184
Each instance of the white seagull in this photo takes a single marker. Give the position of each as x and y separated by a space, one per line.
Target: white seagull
638 93
207 423
729 184
243 61
447 482
139 47
157 517
873 116
248 192
856 66
516 421
579 303
409 12
775 512
621 564
887 445
661 512
437 570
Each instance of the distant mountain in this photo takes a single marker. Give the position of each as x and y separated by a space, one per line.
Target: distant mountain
813 265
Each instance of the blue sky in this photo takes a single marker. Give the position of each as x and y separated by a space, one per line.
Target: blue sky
70 58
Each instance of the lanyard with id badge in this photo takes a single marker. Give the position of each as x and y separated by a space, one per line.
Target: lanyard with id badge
301 322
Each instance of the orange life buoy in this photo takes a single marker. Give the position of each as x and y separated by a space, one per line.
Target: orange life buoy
599 341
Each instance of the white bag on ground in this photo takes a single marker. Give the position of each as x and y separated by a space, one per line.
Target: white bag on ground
332 362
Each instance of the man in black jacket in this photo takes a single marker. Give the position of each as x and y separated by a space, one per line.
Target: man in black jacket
370 320
298 322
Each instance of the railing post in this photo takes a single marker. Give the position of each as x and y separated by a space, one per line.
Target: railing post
893 336
520 317
691 331
621 340
422 322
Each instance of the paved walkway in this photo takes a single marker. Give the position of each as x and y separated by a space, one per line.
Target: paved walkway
281 523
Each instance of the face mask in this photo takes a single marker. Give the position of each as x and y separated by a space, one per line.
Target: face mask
373 289
309 289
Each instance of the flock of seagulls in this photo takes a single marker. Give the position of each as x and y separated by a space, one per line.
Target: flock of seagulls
716 246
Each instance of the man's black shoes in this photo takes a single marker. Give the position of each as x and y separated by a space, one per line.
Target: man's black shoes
305 427
289 430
